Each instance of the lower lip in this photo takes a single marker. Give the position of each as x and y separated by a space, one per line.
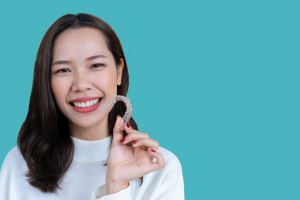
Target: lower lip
87 109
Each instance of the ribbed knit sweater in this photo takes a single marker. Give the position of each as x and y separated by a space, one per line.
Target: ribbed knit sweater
85 179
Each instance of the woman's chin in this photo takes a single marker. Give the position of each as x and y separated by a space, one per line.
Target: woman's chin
86 124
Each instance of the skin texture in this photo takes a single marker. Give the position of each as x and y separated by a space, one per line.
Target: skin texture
73 76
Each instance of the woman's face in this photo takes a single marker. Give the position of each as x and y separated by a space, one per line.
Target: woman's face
83 75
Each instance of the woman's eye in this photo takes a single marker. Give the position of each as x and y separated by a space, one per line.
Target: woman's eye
97 65
63 71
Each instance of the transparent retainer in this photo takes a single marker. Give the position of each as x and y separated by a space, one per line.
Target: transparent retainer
113 100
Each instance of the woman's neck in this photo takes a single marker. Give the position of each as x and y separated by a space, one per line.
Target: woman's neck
96 132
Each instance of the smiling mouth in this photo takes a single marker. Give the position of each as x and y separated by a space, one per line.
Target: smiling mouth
86 104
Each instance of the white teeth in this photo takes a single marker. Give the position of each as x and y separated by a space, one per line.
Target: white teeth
86 104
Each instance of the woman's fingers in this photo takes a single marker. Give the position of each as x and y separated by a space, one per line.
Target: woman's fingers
141 142
160 161
135 135
138 139
117 131
128 128
146 144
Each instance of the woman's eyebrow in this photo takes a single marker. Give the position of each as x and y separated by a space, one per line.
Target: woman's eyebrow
67 62
96 56
60 62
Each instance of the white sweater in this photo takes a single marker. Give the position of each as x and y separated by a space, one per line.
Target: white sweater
85 179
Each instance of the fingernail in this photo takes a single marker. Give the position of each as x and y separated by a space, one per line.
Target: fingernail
153 150
118 116
127 124
134 142
122 140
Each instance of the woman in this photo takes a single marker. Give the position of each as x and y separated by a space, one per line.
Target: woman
68 148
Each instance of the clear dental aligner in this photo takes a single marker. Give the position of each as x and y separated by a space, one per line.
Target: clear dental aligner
113 100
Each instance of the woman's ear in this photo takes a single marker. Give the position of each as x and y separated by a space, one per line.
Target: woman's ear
120 70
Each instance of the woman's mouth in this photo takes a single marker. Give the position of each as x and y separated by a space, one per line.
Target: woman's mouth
86 106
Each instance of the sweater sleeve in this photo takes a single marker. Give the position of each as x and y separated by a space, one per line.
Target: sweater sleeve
169 180
173 189
7 189
100 193
3 192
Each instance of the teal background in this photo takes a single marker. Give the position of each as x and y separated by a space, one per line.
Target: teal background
215 82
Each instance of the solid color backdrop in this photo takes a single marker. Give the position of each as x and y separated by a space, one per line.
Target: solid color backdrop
215 82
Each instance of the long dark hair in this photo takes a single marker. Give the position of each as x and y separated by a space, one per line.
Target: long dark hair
44 139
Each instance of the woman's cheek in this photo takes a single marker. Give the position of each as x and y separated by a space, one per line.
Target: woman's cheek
108 83
59 88
54 87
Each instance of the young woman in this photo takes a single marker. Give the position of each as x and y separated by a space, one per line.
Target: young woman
68 148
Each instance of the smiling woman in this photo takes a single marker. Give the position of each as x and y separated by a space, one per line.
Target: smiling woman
84 70
70 148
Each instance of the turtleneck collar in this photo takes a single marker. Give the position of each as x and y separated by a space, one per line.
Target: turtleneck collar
91 151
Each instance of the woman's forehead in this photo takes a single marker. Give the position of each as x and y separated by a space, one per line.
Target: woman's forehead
80 42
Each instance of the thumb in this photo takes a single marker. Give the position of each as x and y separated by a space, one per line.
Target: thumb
117 131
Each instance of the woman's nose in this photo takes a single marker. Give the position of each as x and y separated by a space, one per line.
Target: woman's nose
81 83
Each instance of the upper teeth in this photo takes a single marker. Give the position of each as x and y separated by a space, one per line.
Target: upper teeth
86 104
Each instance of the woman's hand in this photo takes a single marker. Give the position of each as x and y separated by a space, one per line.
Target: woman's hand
128 163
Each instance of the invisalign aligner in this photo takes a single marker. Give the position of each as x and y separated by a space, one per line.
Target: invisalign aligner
113 100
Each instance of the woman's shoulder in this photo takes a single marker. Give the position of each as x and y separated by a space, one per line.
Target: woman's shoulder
13 158
171 160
